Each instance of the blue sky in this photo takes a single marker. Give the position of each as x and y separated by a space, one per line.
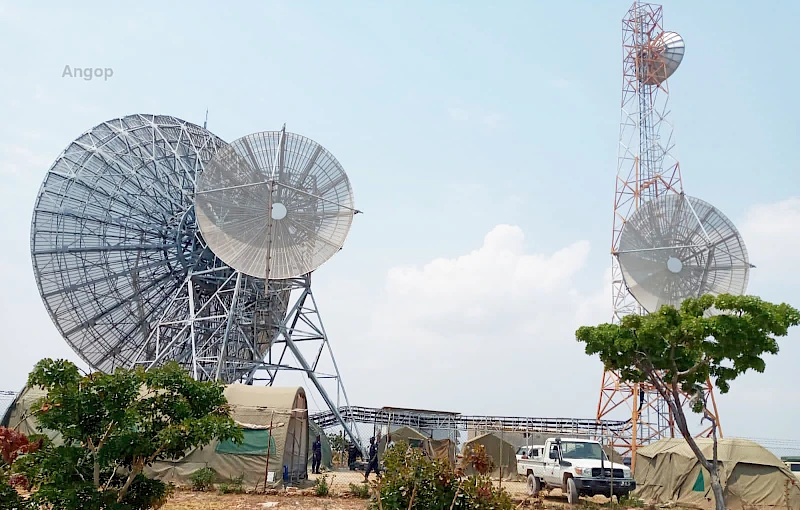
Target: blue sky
451 118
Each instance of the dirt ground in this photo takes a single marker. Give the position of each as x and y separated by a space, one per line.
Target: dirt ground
187 500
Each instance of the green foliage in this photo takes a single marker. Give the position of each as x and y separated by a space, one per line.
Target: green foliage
236 486
202 479
321 486
338 442
687 347
113 425
10 499
360 490
432 483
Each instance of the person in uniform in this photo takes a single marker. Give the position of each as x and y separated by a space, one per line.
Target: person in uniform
317 456
373 460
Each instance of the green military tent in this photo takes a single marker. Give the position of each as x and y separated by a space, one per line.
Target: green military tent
667 472
503 455
276 431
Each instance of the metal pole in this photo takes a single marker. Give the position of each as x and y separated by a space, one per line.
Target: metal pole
191 328
269 442
222 353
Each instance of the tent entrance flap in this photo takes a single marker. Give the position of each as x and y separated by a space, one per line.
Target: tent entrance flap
256 442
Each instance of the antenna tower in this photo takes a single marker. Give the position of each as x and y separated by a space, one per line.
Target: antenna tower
646 170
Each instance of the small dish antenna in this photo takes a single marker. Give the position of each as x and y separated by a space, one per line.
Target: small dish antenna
274 205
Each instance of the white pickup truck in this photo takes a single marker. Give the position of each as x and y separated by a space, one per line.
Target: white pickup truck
578 467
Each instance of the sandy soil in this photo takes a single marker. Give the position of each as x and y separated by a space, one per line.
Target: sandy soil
186 500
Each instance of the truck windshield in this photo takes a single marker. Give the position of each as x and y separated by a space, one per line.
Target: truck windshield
574 450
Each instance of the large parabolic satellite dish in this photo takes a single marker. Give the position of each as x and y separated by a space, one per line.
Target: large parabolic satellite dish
120 263
274 201
675 247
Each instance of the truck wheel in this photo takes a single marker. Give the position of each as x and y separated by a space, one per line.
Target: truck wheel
534 485
572 492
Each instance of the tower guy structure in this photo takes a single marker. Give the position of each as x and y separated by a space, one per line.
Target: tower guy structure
646 171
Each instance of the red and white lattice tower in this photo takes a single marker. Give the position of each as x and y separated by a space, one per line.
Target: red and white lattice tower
646 170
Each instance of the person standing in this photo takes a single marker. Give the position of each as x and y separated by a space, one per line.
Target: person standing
373 460
317 456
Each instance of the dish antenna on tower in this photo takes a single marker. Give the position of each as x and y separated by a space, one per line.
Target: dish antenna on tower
276 206
665 245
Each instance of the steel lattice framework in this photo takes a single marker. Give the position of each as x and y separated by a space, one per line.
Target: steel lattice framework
646 169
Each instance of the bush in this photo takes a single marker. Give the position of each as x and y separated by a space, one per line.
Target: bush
360 490
9 497
202 479
413 480
236 486
321 487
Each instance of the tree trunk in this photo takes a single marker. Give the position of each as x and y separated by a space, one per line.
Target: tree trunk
671 393
96 473
711 467
716 488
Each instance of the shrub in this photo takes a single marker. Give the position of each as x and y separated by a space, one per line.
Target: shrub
321 487
9 497
236 486
360 490
112 426
414 481
202 479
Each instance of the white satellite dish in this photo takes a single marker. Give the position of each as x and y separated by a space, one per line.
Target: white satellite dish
661 58
675 247
274 205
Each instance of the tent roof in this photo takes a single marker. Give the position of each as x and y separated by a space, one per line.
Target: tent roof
406 432
263 397
728 450
260 406
495 436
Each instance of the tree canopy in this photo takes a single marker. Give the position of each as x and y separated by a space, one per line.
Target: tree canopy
688 346
112 426
678 350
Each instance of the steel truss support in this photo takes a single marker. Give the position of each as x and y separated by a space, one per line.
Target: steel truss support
646 169
222 325
302 330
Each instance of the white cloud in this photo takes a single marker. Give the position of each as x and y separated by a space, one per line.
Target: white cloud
468 333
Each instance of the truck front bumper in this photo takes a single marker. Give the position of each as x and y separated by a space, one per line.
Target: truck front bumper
592 486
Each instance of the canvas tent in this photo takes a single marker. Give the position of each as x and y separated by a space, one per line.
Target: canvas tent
314 430
443 449
19 415
254 408
502 452
752 478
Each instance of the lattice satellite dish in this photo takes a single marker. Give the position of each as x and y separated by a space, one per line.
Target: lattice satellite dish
675 247
113 233
274 205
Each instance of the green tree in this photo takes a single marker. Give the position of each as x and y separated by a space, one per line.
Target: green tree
112 426
338 443
678 350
